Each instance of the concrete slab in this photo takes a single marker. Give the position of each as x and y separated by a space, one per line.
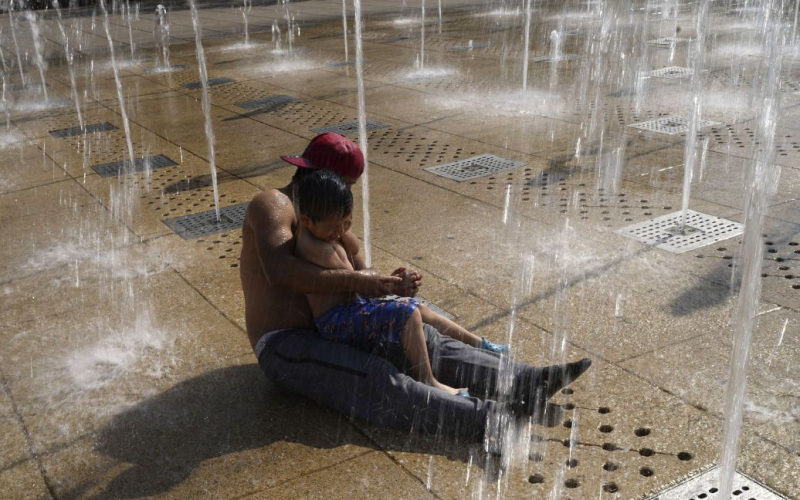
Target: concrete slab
27 480
38 200
152 447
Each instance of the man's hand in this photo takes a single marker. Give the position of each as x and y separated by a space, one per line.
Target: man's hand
374 285
412 280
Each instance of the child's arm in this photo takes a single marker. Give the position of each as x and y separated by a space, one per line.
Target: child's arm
352 247
320 253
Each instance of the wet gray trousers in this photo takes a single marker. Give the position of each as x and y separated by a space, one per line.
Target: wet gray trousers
376 389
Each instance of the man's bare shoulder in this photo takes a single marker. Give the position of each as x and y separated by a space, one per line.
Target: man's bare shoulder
269 205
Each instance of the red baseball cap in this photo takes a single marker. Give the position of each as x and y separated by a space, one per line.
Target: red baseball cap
333 152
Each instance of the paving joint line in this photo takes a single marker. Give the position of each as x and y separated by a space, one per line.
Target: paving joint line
27 435
312 472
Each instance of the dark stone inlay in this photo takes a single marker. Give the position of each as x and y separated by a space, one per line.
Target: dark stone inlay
89 129
160 70
270 103
119 167
349 127
205 223
211 82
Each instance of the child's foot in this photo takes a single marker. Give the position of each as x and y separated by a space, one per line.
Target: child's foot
450 390
488 345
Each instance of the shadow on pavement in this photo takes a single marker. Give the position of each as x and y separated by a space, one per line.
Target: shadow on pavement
228 410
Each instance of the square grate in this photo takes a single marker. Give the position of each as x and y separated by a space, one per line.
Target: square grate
152 162
205 223
349 127
664 232
211 82
670 125
471 46
268 103
401 38
89 129
706 484
562 57
475 167
668 41
670 72
28 86
173 67
427 303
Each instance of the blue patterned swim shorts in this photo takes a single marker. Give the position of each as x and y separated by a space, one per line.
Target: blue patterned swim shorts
366 323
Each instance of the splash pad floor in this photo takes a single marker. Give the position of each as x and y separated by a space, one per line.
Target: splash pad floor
125 369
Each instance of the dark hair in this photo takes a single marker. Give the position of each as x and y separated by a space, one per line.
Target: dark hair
300 173
323 193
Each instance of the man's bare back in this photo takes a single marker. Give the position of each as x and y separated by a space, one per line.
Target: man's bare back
269 307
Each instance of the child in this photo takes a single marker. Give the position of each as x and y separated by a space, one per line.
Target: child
324 239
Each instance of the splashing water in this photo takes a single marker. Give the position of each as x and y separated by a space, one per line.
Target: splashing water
362 133
760 185
161 33
201 61
128 16
120 98
344 30
245 12
422 37
69 55
16 44
37 46
555 46
527 42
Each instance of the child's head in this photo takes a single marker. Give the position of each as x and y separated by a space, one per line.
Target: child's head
326 204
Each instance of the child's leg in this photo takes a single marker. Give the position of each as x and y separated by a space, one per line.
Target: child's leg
413 341
449 328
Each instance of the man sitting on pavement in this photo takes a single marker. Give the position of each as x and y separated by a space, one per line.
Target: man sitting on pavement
280 327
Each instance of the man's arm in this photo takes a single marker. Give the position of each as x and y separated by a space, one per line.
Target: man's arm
270 217
321 253
411 280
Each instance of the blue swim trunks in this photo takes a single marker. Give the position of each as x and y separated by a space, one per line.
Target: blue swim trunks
366 324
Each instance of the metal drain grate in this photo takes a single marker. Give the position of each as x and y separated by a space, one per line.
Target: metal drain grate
174 67
562 57
706 485
668 41
89 129
211 82
427 303
670 125
670 72
472 168
471 46
344 64
349 127
28 86
205 223
268 103
401 38
152 162
664 232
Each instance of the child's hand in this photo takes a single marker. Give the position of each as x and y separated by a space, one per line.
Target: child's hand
412 280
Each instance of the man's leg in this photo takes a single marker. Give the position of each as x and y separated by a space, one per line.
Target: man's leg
457 364
367 387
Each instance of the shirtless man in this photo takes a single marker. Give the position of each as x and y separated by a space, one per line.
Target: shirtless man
280 326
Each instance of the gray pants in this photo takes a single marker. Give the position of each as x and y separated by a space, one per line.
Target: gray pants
374 390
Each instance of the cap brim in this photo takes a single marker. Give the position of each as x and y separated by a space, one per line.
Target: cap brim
297 161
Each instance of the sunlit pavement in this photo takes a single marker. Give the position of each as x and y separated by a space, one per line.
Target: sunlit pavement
125 368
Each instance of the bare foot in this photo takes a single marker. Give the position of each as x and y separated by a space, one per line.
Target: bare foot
449 389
